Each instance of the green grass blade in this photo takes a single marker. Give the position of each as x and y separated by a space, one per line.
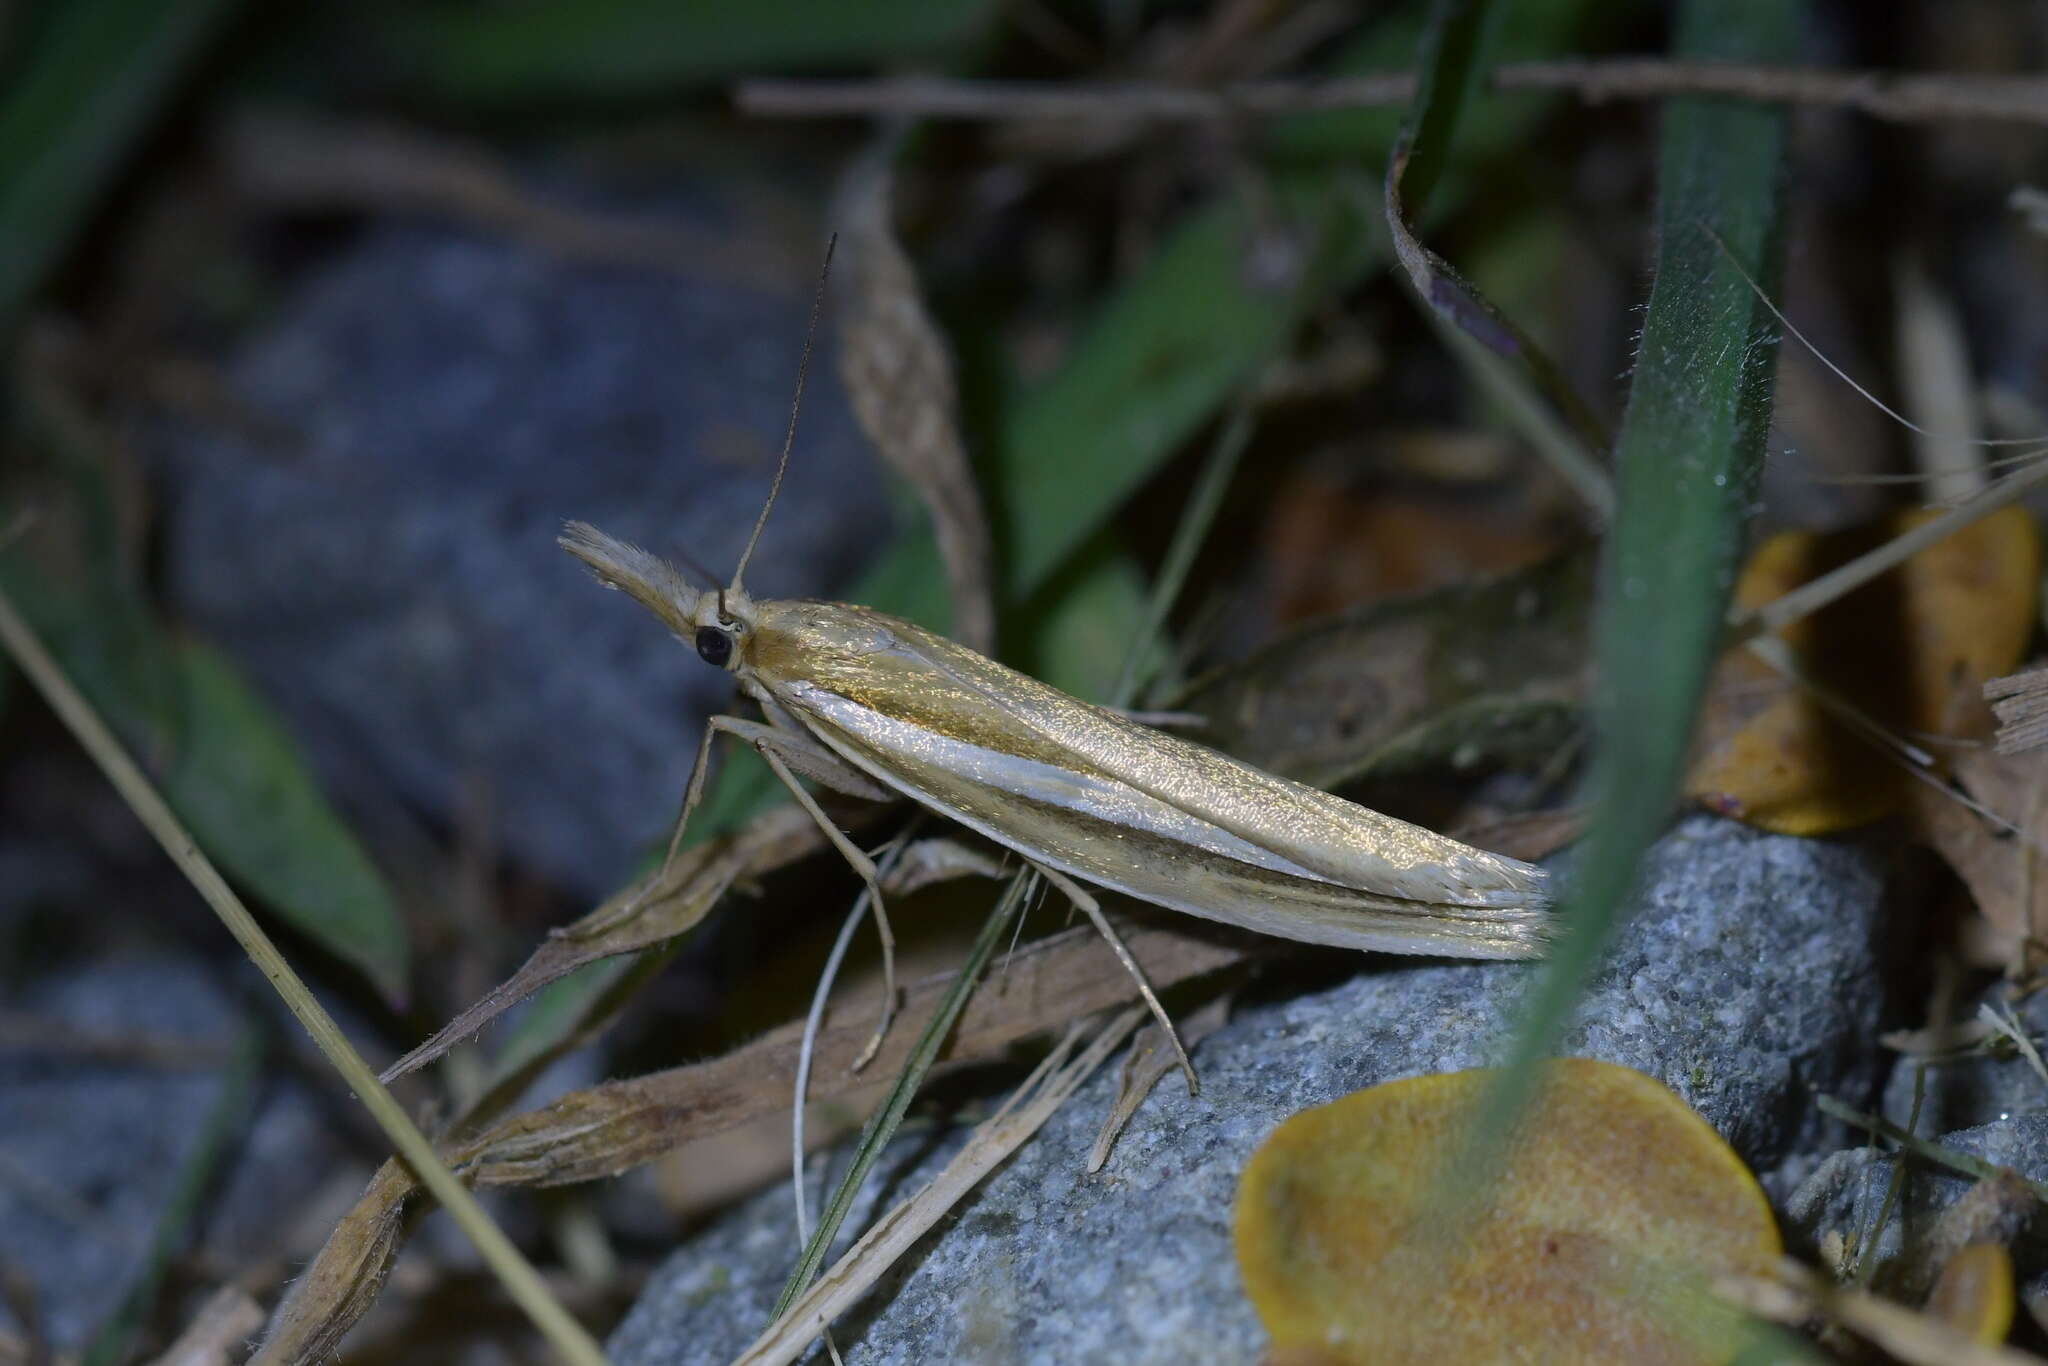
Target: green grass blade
185 1210
1158 362
1691 446
882 1125
240 784
226 765
84 91
1449 67
1196 519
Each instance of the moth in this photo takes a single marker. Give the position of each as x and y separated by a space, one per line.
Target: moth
877 707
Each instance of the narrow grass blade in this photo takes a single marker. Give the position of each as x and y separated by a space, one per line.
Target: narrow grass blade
881 1126
1449 70
1195 521
227 1120
1690 448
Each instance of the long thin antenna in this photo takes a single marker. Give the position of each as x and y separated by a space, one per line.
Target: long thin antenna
1843 375
795 406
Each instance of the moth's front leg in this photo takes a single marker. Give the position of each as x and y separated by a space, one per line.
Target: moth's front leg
789 753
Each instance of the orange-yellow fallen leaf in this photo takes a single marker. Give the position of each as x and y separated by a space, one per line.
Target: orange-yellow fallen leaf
1616 1199
1974 1294
1911 650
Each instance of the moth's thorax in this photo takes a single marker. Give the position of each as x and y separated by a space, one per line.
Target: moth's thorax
800 639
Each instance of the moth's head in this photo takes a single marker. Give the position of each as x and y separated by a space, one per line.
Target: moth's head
724 619
651 581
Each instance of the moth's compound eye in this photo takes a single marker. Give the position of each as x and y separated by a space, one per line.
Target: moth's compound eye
714 646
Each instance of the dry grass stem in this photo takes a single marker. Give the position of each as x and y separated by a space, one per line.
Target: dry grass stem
308 165
1898 97
217 1333
896 1232
1837 583
640 916
619 1125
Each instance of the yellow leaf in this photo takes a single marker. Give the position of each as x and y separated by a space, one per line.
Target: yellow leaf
1616 1198
1911 650
1975 1293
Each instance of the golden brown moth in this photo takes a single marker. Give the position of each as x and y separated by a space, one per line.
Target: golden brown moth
877 707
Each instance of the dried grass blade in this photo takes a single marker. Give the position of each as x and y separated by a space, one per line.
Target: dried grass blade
896 1232
342 1282
1449 73
635 918
1150 1059
217 1333
1817 593
882 1124
899 375
608 1129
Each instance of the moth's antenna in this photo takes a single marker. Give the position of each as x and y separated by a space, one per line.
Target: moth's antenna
795 406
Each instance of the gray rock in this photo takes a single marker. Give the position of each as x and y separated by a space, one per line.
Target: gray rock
1978 1089
1748 977
97 1147
391 581
1846 1195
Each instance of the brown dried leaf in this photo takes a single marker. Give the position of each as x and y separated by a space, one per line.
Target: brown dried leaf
2005 873
1531 837
1994 1211
638 917
611 1128
1496 670
899 376
1792 1294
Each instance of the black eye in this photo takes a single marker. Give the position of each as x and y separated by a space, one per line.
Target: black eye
714 646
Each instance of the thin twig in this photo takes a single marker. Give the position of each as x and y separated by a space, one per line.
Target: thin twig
521 1281
1896 96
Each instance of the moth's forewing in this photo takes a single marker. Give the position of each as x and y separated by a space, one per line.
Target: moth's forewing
1128 807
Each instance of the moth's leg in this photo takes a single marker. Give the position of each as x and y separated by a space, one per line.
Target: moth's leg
1093 910
692 794
785 752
